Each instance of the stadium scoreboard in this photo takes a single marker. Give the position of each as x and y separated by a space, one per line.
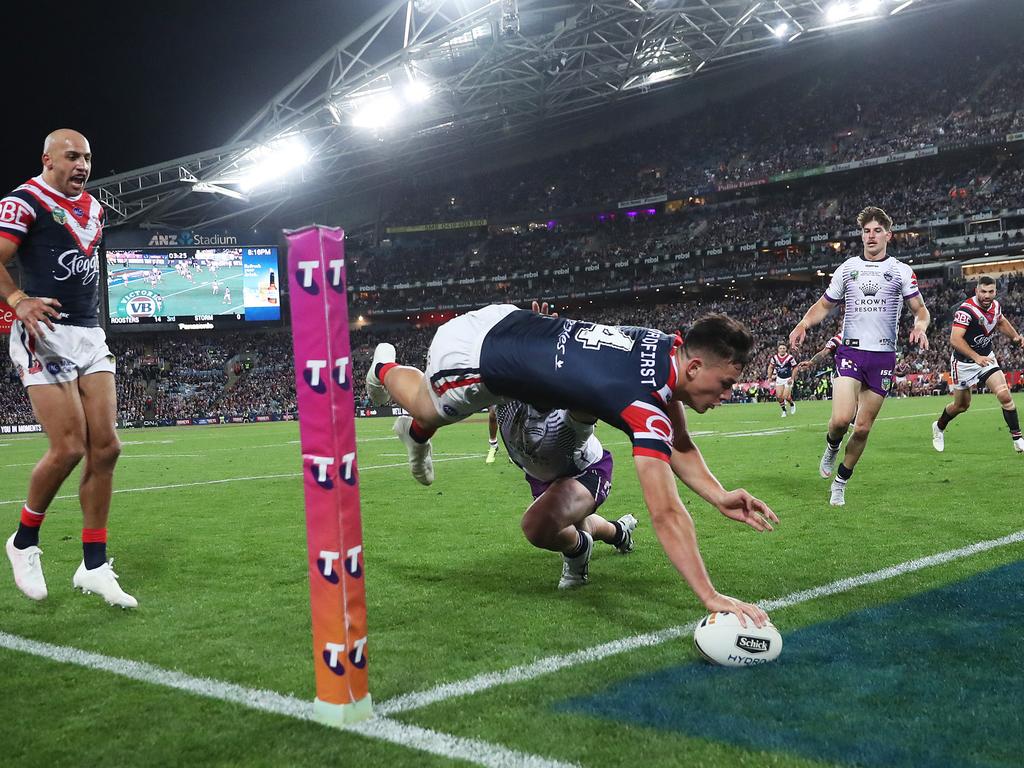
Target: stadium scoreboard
192 287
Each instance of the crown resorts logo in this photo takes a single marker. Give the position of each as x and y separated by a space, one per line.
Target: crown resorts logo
870 288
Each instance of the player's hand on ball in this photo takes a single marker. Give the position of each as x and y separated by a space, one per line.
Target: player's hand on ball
741 506
743 611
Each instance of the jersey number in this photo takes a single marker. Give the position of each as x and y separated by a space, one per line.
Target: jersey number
597 336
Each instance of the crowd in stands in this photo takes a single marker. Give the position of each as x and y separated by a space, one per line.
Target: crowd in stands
871 102
170 377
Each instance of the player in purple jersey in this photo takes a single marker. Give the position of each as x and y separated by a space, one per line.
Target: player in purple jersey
54 227
974 362
873 288
636 379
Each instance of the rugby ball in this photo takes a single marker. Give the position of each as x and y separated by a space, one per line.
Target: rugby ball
721 640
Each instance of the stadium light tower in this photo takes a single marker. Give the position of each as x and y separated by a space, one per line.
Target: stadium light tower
274 161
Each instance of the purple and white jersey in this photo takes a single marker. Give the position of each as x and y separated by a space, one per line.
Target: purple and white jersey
547 445
873 293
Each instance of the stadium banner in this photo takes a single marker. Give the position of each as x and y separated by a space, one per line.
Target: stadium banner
1019 136
438 226
323 384
7 319
643 201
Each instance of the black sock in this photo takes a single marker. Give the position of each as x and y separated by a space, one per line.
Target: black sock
580 548
833 446
376 371
945 418
620 534
26 536
94 553
1013 422
843 474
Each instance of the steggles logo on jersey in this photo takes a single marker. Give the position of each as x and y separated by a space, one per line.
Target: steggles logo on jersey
74 262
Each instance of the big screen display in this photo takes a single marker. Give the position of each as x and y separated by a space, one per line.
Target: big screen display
192 288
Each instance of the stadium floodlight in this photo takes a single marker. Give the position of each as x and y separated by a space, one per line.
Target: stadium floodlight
416 92
781 30
275 160
376 111
838 12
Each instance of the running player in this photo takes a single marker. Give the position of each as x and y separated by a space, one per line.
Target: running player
636 379
974 362
54 227
901 373
227 295
215 285
873 287
781 367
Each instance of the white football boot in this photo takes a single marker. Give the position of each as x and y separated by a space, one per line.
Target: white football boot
838 497
792 408
938 438
384 353
28 570
783 412
103 581
828 462
1018 445
575 570
421 461
628 523
491 453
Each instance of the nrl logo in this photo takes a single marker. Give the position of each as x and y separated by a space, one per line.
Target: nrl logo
853 275
59 216
869 288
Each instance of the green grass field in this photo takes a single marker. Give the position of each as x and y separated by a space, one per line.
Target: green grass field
920 668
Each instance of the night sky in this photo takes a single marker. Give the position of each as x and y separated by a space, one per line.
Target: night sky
150 82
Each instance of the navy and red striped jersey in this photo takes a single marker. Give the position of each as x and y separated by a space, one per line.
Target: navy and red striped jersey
622 375
978 324
58 247
783 365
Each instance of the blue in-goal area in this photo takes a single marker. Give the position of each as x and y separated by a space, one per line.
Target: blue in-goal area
933 681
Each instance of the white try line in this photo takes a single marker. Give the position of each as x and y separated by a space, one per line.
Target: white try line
226 480
550 664
381 728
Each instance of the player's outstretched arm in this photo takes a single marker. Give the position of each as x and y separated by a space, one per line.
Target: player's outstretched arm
674 528
818 312
922 319
689 466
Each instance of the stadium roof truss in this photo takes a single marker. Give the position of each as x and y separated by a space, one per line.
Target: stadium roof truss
422 82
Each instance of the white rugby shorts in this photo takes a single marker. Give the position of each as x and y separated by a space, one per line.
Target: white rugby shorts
64 354
453 363
783 382
966 375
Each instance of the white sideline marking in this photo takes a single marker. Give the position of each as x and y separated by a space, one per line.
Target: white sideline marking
241 479
545 666
382 728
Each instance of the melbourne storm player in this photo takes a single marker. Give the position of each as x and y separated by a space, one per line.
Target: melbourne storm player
570 477
54 227
974 362
873 288
635 379
781 367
